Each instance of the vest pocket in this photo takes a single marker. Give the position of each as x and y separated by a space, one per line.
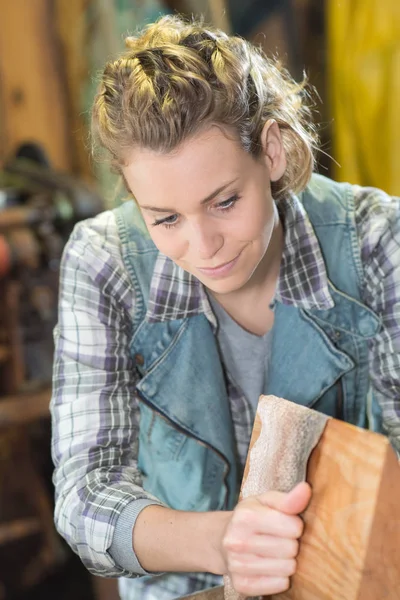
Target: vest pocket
165 447
177 469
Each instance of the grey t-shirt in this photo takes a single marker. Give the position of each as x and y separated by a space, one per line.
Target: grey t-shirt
244 354
245 357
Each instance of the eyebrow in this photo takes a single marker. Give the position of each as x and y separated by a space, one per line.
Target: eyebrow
204 201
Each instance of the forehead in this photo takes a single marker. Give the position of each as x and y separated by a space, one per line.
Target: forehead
202 163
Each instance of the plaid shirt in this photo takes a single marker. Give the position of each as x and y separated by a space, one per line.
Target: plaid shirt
94 408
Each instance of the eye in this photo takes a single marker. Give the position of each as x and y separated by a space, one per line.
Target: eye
227 204
168 222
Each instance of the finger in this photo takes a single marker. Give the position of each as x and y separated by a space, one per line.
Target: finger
260 586
269 546
257 519
280 525
291 503
297 500
253 566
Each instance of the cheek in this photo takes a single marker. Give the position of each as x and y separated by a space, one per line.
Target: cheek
168 241
269 221
257 223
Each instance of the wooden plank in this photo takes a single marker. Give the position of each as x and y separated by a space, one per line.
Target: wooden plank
351 544
24 408
216 593
381 576
12 370
32 83
17 529
105 589
73 35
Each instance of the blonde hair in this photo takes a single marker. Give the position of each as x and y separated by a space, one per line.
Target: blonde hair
178 77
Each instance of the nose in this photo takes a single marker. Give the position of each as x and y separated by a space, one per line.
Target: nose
205 241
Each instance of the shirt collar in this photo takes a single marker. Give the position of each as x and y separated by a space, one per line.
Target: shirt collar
303 281
176 294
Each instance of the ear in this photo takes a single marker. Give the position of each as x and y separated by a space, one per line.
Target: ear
273 151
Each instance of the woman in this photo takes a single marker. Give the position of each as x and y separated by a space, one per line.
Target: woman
234 272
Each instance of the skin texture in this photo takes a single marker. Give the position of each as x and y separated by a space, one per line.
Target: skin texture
240 222
256 544
206 204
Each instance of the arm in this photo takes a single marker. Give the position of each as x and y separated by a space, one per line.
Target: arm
256 544
94 410
378 223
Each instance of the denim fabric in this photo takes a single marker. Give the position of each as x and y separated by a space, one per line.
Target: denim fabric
318 359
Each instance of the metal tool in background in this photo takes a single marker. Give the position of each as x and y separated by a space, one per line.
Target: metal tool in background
38 210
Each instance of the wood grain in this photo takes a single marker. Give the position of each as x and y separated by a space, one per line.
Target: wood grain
73 35
350 549
381 575
32 81
351 544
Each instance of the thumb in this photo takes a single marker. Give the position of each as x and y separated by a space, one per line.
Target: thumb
292 503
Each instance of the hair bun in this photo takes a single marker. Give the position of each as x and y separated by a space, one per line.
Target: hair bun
178 76
131 42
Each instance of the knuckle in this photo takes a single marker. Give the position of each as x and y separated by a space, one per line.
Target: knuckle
241 585
299 527
292 566
234 544
293 548
279 585
244 516
238 565
285 584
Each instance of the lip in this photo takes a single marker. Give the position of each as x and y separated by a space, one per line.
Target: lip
221 270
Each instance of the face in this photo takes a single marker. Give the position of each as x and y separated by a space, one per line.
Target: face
208 207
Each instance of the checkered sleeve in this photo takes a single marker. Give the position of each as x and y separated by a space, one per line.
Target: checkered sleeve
378 223
94 408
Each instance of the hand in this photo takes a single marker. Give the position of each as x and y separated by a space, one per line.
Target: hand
260 544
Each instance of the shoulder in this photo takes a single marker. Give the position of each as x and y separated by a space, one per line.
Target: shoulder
98 234
92 260
327 202
377 217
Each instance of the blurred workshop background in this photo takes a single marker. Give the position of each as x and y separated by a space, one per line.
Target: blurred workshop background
50 53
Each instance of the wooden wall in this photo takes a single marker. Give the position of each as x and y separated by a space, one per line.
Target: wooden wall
39 70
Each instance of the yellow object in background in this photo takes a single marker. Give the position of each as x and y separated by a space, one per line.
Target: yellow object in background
364 82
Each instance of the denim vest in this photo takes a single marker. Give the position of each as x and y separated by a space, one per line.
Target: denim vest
319 358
